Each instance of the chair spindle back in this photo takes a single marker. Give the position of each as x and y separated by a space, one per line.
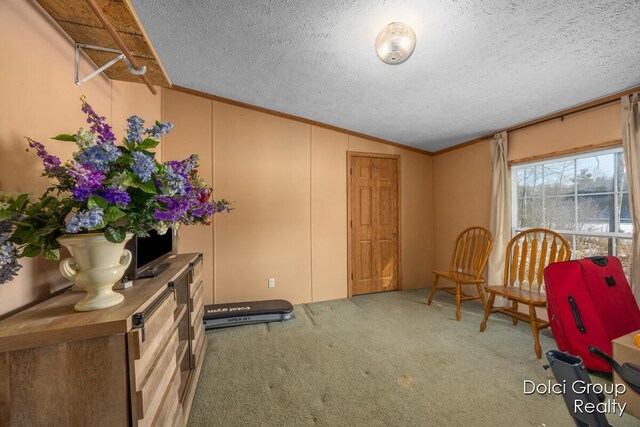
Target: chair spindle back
528 253
471 251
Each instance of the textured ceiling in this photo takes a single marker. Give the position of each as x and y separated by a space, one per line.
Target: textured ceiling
478 66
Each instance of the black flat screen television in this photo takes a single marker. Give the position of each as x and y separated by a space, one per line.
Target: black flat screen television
150 252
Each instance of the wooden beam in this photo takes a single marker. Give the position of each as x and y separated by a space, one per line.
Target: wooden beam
609 99
296 118
116 38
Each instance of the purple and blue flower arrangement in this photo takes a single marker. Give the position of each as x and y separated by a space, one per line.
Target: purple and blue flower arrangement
107 188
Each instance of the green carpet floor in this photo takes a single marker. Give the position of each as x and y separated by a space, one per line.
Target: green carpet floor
378 360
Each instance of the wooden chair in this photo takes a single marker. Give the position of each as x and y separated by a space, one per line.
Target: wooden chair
528 253
468 261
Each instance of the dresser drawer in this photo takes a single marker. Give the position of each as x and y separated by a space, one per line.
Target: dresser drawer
147 341
196 346
193 286
197 271
170 412
196 297
150 392
197 320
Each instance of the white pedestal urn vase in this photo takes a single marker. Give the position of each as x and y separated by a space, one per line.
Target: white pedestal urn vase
95 265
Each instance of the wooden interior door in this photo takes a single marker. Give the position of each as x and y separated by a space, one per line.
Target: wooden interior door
373 224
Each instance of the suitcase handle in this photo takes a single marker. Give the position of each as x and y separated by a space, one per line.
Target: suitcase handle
600 261
576 315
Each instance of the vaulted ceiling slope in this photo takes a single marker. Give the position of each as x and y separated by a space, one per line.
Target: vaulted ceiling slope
478 66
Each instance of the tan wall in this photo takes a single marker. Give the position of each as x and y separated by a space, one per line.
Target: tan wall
462 196
288 182
462 177
40 100
582 129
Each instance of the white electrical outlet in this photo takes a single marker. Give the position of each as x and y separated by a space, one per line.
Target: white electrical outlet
272 282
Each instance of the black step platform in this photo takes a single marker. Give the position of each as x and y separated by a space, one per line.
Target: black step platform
245 313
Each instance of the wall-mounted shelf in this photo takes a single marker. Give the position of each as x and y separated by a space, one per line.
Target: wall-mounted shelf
82 24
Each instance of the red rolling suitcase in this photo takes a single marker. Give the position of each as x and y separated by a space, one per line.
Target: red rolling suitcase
589 302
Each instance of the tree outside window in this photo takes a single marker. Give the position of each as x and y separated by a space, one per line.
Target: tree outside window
585 198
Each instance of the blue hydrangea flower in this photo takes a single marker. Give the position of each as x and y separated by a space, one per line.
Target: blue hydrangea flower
135 129
9 265
159 129
99 156
144 166
174 182
85 220
116 196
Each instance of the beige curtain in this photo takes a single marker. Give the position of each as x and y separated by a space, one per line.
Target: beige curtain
500 219
631 144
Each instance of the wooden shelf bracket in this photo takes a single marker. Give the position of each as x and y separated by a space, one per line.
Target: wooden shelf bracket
80 81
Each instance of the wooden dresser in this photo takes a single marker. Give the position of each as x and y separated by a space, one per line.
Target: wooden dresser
136 363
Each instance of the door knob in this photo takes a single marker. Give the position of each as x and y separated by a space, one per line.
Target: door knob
395 233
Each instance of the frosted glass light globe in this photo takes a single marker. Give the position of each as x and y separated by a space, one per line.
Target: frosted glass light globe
395 43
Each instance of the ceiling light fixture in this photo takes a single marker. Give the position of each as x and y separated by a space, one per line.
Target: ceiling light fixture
395 43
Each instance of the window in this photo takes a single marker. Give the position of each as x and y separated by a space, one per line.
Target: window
584 197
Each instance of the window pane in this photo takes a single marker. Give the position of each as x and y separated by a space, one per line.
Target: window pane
559 178
587 246
529 213
622 176
529 181
559 213
595 174
623 251
595 213
625 216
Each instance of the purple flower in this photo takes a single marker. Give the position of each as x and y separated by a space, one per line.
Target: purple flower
116 196
175 209
51 163
135 129
87 181
144 166
85 220
159 129
184 167
98 124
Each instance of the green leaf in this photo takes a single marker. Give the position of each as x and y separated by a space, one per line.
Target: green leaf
22 234
21 200
148 143
147 187
128 144
65 137
31 251
51 254
113 213
6 213
115 235
34 238
126 159
97 202
46 201
44 231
